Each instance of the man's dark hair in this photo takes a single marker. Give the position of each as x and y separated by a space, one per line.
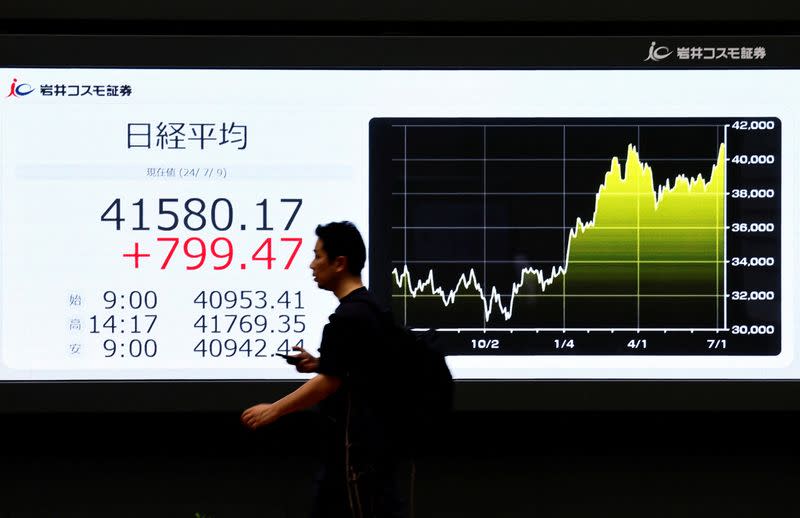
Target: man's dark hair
343 239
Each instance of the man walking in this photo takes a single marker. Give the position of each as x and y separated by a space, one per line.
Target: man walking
359 474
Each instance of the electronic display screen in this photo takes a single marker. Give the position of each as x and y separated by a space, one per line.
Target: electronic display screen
556 223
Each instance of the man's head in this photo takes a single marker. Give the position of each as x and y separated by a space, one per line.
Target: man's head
338 254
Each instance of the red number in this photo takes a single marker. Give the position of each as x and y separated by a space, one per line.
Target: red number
228 254
299 241
268 243
174 241
201 255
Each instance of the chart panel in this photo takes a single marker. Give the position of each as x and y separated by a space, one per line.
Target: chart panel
584 236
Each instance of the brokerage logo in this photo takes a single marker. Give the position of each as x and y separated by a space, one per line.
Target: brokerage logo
19 89
658 53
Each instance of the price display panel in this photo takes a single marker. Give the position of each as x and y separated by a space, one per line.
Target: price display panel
152 230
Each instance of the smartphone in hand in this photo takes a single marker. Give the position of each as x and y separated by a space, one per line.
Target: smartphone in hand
291 360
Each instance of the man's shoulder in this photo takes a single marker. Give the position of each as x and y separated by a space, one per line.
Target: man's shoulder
358 305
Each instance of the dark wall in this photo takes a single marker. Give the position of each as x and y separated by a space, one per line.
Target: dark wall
430 10
544 464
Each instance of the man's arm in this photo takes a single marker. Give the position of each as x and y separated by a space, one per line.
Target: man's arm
308 394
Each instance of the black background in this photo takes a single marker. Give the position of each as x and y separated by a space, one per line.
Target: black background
709 13
634 461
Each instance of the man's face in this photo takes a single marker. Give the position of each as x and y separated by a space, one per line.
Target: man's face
324 271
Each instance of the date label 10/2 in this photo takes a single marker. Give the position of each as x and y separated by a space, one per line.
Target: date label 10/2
486 344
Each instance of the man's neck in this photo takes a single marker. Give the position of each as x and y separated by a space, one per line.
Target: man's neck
347 286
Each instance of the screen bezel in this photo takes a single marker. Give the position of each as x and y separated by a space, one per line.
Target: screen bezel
372 51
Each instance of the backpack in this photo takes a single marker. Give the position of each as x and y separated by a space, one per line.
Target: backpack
419 383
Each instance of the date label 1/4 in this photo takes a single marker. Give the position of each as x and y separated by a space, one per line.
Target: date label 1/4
567 343
486 344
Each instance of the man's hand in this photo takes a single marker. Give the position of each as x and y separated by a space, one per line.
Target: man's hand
259 415
307 363
308 394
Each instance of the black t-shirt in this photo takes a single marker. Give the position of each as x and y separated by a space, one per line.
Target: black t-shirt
354 349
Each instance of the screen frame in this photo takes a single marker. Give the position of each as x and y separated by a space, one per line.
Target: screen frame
394 51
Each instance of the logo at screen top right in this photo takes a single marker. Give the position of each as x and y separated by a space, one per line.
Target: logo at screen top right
657 53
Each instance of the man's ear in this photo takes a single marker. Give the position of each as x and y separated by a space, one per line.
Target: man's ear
340 264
